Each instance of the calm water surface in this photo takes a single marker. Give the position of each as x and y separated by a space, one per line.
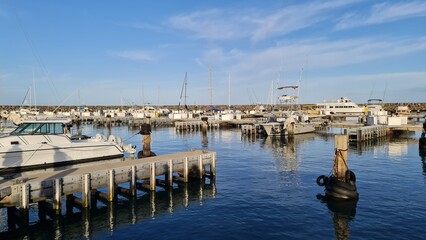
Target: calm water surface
265 189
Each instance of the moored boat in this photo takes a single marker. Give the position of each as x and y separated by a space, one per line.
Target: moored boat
343 105
45 143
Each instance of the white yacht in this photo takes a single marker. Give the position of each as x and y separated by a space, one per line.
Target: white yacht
343 105
46 143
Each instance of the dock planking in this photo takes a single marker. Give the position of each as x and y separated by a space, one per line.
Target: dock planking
22 191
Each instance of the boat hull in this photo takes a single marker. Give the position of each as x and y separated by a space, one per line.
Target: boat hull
15 159
274 129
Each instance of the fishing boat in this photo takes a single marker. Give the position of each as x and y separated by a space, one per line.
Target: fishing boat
274 128
46 143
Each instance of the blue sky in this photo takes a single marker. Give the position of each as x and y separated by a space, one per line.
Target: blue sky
121 52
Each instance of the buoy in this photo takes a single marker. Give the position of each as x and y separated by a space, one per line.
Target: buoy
341 183
140 154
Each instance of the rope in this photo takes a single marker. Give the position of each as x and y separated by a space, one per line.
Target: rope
338 153
131 136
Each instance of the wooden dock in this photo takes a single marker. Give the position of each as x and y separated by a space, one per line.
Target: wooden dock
194 125
366 133
49 189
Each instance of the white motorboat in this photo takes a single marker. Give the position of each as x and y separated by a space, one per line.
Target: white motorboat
274 128
295 127
343 105
46 143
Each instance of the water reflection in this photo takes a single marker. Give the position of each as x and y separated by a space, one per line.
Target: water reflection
285 150
89 223
342 213
422 154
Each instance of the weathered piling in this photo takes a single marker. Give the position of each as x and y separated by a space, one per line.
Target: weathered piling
146 139
340 165
341 184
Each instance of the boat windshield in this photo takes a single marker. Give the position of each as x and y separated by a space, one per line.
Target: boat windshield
38 128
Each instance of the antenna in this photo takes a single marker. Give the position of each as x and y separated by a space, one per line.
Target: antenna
384 93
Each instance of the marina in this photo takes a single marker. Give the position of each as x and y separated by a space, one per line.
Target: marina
263 168
213 120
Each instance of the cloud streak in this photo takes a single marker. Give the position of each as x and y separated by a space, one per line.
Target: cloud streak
383 13
255 24
132 55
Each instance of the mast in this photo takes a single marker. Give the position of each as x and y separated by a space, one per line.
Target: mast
182 92
34 92
186 84
211 87
229 90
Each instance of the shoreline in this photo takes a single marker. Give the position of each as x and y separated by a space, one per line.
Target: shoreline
391 107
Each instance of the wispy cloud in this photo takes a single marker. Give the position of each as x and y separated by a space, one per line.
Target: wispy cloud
143 26
383 13
212 24
293 18
132 55
264 65
255 24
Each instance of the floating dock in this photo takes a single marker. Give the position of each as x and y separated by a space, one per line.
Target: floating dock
50 188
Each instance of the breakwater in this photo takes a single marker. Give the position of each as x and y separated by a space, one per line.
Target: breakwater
391 107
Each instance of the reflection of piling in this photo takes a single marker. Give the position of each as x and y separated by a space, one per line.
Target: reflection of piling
422 140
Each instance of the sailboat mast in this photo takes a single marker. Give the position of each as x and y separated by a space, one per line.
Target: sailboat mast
211 87
229 90
186 83
34 92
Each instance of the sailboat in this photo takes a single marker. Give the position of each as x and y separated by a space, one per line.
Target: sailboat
182 113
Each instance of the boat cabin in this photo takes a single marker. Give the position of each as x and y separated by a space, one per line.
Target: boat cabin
42 127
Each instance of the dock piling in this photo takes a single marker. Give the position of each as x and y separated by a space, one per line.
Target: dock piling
340 166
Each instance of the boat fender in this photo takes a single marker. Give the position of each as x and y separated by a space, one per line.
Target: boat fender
322 180
99 137
350 177
340 184
333 188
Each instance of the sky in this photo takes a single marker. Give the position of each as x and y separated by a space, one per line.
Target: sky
232 52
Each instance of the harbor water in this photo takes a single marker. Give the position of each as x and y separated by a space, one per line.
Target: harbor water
265 188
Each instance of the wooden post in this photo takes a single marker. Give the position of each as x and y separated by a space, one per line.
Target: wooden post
133 181
169 174
213 165
111 185
85 190
152 179
200 166
57 195
341 149
185 170
147 140
25 203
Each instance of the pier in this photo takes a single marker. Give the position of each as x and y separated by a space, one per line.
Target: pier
366 133
195 125
82 187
